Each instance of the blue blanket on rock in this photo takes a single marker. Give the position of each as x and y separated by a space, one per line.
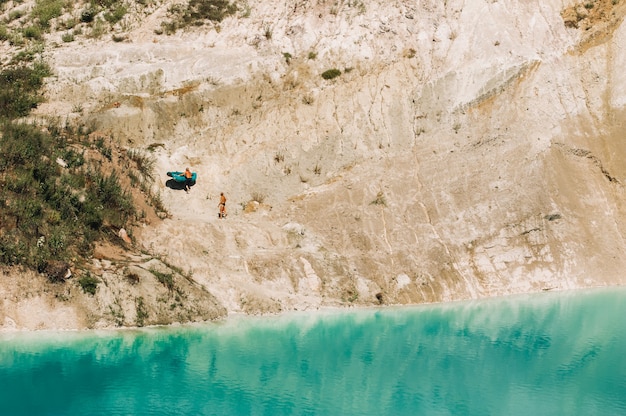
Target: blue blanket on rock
180 176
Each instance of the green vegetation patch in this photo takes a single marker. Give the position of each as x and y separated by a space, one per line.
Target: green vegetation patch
141 311
198 12
46 10
88 283
115 14
54 204
19 89
380 200
331 73
167 279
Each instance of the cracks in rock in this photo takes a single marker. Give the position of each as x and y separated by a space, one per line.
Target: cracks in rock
583 153
382 109
335 115
531 230
513 74
382 216
369 110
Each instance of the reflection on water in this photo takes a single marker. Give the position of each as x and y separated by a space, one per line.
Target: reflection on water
548 354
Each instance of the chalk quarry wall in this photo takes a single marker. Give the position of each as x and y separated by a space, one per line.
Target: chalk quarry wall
469 148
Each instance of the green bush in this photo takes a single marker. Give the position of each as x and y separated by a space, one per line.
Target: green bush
4 33
197 12
88 283
97 29
19 89
22 146
30 54
12 250
67 37
69 207
145 163
103 148
115 15
140 309
215 10
15 14
167 279
32 32
88 15
46 10
331 73
52 212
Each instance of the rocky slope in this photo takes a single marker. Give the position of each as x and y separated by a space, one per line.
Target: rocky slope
468 149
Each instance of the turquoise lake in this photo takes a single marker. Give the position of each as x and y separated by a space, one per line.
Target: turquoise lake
542 354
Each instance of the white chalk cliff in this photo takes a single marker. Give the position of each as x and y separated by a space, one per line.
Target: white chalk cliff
469 148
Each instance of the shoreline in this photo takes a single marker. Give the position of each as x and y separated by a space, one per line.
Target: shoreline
328 310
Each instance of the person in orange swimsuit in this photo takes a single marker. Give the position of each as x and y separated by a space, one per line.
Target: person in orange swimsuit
188 177
222 206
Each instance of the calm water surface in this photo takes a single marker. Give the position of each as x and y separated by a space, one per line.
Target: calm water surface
546 354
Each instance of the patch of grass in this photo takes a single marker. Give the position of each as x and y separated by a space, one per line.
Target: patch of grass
117 312
141 312
67 37
4 32
145 162
32 53
104 150
70 23
196 13
32 32
98 28
380 199
19 89
308 99
57 197
56 271
167 279
73 159
71 204
112 203
15 15
46 10
21 150
115 14
169 28
157 202
215 10
133 278
88 283
331 73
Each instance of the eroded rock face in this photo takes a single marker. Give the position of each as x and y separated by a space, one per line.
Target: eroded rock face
467 149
